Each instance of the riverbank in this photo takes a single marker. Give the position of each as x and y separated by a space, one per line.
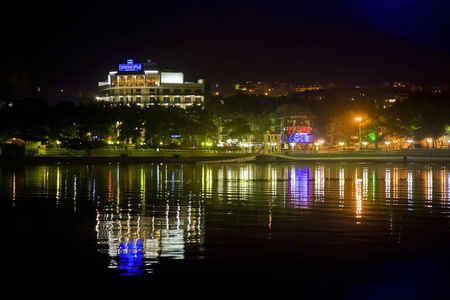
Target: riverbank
405 156
116 159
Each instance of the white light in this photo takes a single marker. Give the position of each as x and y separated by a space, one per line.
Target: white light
172 77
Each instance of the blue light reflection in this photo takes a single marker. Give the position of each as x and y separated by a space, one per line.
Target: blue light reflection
130 256
299 186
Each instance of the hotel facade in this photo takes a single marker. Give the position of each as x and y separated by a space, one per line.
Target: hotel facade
144 85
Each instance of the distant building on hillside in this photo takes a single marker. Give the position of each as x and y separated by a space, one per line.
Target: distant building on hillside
304 88
145 85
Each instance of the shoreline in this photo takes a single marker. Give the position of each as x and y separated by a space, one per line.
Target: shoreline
424 156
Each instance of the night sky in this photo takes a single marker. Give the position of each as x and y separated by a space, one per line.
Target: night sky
74 44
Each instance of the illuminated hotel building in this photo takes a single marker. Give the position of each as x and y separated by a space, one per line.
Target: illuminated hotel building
144 85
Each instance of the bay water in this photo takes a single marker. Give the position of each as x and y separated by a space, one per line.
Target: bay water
356 230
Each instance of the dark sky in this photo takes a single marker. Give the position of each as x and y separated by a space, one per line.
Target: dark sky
74 44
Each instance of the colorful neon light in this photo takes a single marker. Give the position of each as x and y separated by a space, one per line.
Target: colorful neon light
130 66
297 134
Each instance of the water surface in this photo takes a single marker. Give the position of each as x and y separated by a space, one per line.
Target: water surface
367 231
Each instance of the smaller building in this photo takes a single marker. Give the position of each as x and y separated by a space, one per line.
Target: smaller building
391 98
145 85
305 88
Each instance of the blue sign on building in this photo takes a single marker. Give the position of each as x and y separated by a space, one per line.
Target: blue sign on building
130 66
300 138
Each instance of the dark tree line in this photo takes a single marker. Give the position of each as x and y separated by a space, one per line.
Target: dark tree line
241 116
421 116
70 124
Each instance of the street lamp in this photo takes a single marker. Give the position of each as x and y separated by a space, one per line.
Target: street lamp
365 145
208 145
293 147
359 120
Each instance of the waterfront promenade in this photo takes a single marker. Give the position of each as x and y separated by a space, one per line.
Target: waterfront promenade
397 156
199 156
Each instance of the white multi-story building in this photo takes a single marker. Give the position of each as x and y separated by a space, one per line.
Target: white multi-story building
144 85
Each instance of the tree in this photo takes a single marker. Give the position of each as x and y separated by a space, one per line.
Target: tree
130 124
198 124
376 129
155 120
422 116
339 129
94 121
87 145
239 128
259 124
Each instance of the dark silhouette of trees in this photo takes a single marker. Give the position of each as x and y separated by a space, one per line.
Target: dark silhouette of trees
422 116
96 124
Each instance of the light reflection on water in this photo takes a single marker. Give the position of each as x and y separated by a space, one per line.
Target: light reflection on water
153 212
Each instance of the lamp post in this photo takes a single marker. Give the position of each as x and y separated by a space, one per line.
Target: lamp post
365 145
293 147
359 120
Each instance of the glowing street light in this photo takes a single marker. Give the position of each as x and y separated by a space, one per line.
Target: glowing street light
359 120
365 145
293 146
208 144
